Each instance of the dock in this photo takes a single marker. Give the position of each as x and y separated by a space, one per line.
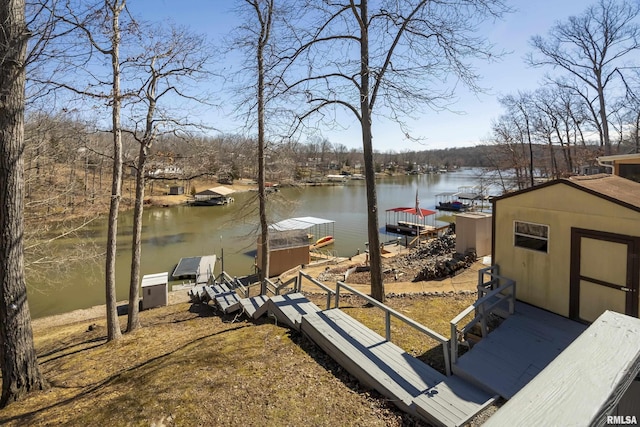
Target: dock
198 268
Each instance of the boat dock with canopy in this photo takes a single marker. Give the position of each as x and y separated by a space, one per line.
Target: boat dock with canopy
413 222
322 230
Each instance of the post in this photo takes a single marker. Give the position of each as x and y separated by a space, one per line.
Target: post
447 361
387 326
454 343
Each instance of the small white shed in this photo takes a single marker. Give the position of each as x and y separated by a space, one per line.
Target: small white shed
473 231
155 290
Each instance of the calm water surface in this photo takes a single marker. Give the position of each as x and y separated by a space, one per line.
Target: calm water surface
183 231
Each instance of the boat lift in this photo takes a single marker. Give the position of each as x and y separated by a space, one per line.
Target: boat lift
321 229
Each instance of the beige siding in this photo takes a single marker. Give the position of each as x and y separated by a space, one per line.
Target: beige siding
543 278
473 231
595 299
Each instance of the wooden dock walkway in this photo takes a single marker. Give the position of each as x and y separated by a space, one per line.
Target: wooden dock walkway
412 385
199 268
291 308
515 352
409 383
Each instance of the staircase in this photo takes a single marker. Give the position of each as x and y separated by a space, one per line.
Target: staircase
409 383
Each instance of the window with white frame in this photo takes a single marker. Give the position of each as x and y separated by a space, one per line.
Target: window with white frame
531 236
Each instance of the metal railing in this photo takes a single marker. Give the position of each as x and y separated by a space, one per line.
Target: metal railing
492 294
391 312
330 292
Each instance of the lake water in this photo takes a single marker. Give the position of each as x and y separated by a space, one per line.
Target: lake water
182 231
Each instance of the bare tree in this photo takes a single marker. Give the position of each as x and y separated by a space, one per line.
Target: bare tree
20 371
92 33
168 62
403 53
519 112
257 39
592 49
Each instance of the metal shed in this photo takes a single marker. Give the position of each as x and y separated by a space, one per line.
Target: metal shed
155 290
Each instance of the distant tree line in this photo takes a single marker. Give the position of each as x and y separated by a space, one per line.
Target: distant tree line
588 104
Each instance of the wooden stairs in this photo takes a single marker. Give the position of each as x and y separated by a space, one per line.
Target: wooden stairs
409 383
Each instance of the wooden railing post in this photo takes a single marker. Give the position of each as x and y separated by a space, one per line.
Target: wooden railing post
387 325
454 343
447 361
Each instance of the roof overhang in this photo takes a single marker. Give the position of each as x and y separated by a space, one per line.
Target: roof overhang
300 223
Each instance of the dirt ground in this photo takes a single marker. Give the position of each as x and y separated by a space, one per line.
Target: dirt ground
466 280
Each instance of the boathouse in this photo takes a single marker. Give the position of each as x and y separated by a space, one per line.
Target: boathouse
290 242
213 196
572 245
287 249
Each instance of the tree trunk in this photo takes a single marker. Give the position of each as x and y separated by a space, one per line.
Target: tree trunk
604 120
133 321
375 254
20 371
262 194
113 326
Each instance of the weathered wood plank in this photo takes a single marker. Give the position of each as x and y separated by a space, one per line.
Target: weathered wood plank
386 350
254 307
412 385
228 302
337 344
421 376
588 377
290 308
221 288
211 293
510 356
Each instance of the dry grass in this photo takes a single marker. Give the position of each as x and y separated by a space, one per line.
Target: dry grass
433 312
187 366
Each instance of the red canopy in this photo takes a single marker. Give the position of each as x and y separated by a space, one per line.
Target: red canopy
412 211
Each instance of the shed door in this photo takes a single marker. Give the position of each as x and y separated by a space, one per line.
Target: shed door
604 274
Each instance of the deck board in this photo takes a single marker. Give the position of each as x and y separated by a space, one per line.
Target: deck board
228 302
411 384
221 288
513 354
290 308
195 267
588 378
254 307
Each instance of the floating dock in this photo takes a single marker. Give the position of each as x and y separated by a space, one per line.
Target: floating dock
199 268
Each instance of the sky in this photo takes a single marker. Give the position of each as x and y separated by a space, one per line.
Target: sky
468 126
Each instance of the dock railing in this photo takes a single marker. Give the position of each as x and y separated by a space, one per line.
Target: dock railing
388 311
330 292
492 295
235 284
276 288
